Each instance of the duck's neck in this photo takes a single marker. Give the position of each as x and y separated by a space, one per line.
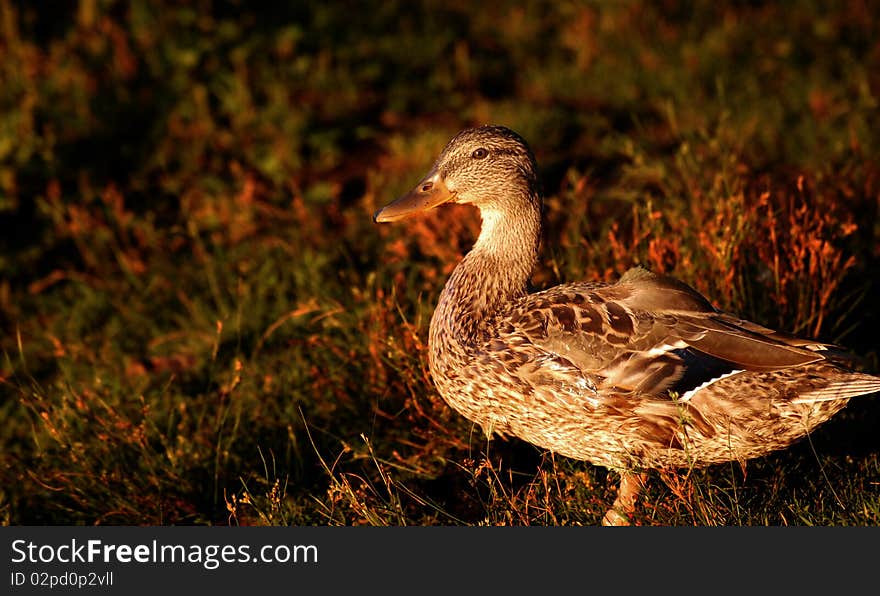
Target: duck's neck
489 278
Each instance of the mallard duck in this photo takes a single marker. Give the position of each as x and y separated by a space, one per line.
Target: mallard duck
636 375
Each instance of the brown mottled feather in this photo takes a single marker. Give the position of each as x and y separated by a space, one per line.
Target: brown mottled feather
644 373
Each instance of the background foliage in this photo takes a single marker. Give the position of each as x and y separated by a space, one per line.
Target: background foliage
200 324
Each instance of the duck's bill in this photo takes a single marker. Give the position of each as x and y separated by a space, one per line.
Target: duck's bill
429 193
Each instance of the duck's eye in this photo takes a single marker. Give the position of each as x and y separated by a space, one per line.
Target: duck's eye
479 153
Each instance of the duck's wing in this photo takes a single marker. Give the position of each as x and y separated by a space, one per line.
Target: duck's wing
649 334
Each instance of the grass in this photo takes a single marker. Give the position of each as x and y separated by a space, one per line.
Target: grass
199 324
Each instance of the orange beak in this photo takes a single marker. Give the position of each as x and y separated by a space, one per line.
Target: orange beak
427 194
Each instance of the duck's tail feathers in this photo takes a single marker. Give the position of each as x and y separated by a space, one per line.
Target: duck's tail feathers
841 389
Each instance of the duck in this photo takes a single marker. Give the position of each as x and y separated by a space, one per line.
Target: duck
638 375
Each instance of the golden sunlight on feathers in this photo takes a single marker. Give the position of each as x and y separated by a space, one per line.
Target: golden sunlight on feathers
637 375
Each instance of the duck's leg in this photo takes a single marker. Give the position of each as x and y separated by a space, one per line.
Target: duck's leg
631 485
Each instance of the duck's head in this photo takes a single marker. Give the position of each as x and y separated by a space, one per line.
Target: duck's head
490 167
